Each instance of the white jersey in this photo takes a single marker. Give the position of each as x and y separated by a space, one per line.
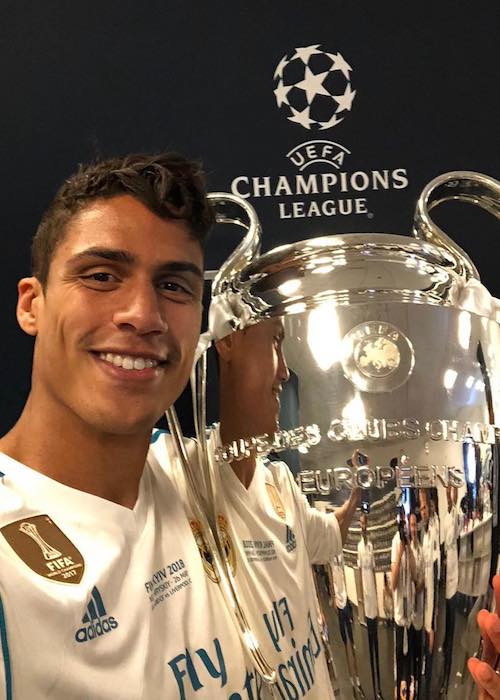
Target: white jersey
451 533
417 612
403 591
98 601
366 562
339 585
273 536
428 541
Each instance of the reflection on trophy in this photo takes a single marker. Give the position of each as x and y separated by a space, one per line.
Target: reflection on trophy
391 346
48 551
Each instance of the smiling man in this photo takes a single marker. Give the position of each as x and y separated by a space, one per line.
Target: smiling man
102 587
271 533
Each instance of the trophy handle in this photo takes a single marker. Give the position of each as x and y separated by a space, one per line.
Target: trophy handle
249 247
464 186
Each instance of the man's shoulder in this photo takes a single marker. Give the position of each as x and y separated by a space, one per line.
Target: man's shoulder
275 470
163 450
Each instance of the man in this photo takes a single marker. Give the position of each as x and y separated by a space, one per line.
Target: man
430 595
403 574
344 612
366 563
103 592
417 613
451 533
271 533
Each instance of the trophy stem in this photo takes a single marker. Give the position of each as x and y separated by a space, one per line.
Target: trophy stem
221 566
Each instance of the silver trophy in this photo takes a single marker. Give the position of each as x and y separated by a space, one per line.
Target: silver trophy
392 346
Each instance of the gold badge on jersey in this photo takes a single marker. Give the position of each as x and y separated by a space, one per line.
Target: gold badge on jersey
227 542
45 548
206 555
276 501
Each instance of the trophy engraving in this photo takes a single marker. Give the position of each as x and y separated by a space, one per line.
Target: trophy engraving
49 552
377 357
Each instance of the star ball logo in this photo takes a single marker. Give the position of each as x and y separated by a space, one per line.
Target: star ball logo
313 89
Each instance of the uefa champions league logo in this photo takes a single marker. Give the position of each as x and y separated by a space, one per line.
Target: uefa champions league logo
313 87
313 90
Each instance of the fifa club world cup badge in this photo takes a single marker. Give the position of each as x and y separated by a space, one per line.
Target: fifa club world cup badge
45 549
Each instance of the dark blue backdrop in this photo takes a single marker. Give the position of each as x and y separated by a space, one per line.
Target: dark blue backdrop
80 79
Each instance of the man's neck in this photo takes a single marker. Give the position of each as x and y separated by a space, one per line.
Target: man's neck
67 450
245 469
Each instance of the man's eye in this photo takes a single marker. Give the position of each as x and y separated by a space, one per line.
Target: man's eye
99 277
171 286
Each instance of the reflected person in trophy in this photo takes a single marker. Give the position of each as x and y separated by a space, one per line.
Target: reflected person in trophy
417 613
366 563
451 533
430 597
274 533
344 611
403 574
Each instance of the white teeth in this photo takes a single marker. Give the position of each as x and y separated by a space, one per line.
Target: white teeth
127 361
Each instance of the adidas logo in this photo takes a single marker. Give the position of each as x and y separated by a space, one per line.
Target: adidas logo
95 621
291 542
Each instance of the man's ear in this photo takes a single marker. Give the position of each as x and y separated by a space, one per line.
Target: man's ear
29 304
224 347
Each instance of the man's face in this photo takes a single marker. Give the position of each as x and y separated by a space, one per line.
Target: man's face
413 527
125 289
258 370
424 507
432 508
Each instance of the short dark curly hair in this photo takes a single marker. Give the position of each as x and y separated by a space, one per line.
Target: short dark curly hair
169 185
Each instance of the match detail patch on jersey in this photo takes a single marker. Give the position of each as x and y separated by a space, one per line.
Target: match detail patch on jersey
96 621
45 549
276 501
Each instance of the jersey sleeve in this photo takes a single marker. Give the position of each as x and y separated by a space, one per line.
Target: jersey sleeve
321 530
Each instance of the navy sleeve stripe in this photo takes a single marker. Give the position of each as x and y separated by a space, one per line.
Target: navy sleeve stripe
5 653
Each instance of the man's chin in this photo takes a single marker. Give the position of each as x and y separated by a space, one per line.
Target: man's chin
125 425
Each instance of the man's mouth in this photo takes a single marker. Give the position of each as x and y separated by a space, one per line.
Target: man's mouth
130 362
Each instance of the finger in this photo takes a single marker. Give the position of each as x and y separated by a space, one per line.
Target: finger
496 589
486 679
492 626
489 653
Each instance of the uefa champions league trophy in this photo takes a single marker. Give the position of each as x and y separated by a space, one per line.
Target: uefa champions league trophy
393 345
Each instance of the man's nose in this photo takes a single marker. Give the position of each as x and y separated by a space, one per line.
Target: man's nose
283 371
140 308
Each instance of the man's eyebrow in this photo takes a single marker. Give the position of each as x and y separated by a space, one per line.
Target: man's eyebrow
113 254
123 256
179 266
